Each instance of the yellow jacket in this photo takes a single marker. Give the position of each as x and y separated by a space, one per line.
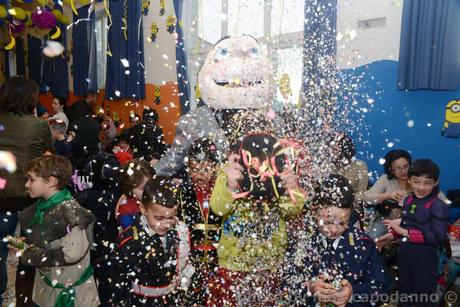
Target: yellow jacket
253 235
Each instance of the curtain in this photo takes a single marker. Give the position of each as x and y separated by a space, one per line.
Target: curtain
83 36
319 74
20 58
34 58
181 61
55 76
125 75
430 45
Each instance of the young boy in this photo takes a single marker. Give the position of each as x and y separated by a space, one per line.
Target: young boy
333 260
59 235
204 225
423 228
61 146
153 254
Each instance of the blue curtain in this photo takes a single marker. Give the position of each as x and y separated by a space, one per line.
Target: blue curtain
121 81
55 75
7 64
181 62
20 58
83 36
34 58
430 45
319 58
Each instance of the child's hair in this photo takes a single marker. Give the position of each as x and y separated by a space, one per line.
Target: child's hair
57 125
161 191
391 157
346 146
334 191
133 174
203 150
424 167
61 100
51 166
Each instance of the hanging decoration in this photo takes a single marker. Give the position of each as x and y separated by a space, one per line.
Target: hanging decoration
43 19
125 19
157 94
153 32
171 24
162 7
145 7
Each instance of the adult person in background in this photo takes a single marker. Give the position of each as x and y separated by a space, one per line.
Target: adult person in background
147 140
58 105
95 186
347 165
389 190
83 107
26 137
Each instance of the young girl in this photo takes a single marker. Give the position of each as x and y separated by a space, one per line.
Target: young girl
204 225
132 182
423 228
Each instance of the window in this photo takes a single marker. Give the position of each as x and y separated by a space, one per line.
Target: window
101 47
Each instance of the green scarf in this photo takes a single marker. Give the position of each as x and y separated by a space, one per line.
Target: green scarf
44 205
67 296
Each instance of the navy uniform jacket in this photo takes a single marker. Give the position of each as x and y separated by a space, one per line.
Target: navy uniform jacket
355 258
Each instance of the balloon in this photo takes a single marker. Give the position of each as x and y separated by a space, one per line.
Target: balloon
57 13
65 20
84 2
29 22
18 13
42 2
3 12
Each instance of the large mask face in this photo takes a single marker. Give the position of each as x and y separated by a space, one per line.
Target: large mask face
236 75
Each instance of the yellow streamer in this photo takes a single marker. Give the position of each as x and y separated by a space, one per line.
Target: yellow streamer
109 17
74 9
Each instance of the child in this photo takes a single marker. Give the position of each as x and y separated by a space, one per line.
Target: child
423 228
255 193
121 149
195 212
59 235
333 260
153 254
133 178
61 146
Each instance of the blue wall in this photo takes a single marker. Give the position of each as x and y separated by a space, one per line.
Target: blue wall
386 121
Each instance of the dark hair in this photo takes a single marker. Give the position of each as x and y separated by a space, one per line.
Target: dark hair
62 101
51 166
203 150
161 191
346 146
334 191
132 175
57 125
391 157
151 114
424 167
90 93
19 95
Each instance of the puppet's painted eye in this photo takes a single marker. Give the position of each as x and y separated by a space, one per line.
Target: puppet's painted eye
254 52
222 53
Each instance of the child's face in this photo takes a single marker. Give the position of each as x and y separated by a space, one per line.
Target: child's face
201 173
37 186
333 221
160 218
137 191
422 186
123 144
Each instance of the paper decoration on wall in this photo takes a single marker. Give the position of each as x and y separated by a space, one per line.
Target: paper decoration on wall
284 85
153 31
157 95
171 24
145 7
451 128
162 7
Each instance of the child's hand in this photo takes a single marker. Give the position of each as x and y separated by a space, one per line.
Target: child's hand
383 241
343 295
322 290
396 196
395 225
16 244
234 173
289 180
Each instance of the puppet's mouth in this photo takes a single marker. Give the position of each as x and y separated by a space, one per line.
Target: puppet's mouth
237 83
